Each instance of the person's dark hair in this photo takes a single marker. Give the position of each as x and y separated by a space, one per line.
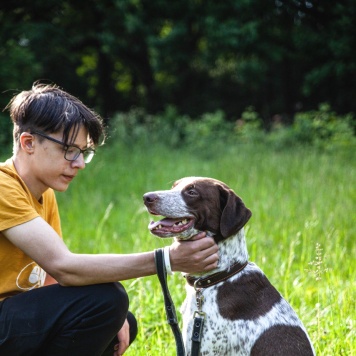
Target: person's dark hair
50 109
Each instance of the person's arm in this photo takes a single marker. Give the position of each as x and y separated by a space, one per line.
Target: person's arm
40 242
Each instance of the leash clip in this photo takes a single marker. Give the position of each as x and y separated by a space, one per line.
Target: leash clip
199 301
197 289
200 314
198 320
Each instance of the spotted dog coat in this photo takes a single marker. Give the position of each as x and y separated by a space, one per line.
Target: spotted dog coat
245 314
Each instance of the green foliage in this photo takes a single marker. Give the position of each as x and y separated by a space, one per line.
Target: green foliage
249 127
137 126
197 56
171 129
5 133
17 62
210 132
321 128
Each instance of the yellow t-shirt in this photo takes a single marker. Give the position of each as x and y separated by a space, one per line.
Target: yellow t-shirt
18 272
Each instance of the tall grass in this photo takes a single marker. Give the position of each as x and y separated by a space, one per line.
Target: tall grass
302 232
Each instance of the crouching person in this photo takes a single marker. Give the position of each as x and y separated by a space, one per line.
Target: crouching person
54 301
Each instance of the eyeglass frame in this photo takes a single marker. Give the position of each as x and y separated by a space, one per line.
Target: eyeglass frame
90 150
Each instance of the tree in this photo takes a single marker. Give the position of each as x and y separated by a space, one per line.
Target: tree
199 56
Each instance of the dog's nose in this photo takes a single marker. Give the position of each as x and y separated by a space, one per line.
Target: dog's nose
149 198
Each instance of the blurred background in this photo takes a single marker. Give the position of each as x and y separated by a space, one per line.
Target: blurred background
273 58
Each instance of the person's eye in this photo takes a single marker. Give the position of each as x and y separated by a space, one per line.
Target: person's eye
71 149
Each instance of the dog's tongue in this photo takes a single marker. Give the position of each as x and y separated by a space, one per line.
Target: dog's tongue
166 222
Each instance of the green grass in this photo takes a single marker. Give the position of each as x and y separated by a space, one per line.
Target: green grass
301 233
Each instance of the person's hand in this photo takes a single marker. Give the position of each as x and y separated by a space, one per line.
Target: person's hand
123 337
197 255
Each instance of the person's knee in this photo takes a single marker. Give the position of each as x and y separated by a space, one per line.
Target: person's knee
107 302
113 297
115 294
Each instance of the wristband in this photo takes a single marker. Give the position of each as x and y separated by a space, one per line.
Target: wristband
167 260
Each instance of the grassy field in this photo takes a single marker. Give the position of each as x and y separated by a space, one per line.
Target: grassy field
302 232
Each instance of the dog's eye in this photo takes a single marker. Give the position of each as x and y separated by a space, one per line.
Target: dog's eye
192 192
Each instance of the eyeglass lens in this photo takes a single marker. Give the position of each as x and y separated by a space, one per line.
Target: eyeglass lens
72 153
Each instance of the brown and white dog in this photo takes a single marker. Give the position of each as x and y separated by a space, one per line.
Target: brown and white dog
245 314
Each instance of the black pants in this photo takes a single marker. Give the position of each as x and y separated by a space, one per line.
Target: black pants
56 320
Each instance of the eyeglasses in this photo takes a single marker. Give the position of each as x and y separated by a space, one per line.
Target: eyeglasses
71 152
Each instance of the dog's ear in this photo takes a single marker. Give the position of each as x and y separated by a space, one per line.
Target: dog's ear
234 212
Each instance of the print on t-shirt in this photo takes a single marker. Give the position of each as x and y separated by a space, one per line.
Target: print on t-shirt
31 276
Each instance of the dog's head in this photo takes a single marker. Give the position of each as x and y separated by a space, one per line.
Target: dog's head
196 204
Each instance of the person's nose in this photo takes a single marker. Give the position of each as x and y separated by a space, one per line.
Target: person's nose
79 162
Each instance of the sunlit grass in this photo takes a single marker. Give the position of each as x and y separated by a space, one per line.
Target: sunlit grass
303 205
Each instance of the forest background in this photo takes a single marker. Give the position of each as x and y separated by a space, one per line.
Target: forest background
279 57
259 94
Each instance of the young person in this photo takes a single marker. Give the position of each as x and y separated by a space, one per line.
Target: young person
86 311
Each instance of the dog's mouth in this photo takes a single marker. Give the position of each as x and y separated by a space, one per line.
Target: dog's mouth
171 227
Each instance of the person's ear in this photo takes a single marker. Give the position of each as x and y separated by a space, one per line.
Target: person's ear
27 142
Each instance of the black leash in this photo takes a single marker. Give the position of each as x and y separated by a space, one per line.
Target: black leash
169 305
198 323
199 316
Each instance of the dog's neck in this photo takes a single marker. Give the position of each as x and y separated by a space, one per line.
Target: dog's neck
232 250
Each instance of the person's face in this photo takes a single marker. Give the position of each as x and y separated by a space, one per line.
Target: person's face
49 168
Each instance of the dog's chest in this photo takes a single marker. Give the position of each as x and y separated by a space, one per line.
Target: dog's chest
232 324
219 336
